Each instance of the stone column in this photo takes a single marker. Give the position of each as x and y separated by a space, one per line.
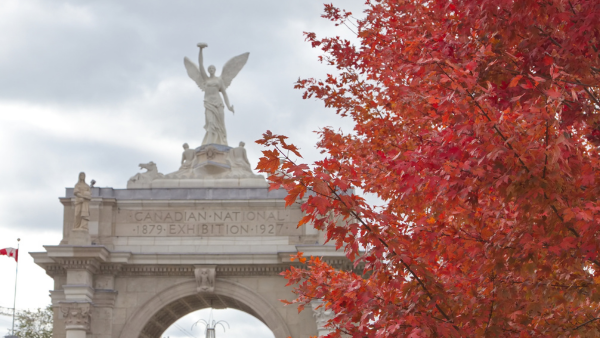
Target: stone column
322 316
79 294
79 305
77 318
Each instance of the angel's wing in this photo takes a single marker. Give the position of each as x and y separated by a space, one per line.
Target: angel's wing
194 73
233 67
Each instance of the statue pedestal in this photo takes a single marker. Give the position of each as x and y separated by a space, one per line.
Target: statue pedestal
213 166
80 237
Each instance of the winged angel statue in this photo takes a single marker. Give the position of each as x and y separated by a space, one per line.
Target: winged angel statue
213 85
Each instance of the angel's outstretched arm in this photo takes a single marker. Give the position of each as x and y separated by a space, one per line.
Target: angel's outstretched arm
201 62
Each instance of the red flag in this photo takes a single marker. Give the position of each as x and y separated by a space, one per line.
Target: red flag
10 252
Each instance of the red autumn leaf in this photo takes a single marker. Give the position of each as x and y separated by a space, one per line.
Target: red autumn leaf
269 162
305 220
321 203
295 193
515 81
553 94
321 187
547 60
299 256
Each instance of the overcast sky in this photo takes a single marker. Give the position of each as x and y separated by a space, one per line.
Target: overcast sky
100 86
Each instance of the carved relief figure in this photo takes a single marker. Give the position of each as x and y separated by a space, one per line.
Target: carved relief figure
83 195
187 157
205 278
213 87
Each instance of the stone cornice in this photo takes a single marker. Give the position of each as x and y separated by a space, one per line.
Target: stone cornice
53 270
188 271
198 203
60 258
66 201
157 270
110 269
98 260
174 194
246 271
98 252
223 270
88 264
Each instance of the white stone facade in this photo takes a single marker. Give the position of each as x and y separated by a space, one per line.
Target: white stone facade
156 255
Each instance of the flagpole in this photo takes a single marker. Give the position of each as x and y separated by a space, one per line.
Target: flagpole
15 297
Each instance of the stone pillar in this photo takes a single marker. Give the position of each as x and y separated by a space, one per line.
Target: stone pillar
77 318
322 317
104 301
79 294
83 294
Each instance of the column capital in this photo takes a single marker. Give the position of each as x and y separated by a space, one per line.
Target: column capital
322 316
76 315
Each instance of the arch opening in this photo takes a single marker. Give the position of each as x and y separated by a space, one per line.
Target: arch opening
181 307
241 325
166 307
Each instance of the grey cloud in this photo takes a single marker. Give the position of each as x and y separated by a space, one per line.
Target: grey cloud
104 59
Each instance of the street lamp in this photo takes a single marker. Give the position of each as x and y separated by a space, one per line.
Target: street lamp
211 324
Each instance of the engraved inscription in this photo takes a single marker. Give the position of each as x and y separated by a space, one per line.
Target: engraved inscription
160 216
205 223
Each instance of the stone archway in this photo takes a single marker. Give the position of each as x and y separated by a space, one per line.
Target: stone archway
157 314
155 255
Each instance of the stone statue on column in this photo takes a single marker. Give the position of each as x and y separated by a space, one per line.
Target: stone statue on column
83 195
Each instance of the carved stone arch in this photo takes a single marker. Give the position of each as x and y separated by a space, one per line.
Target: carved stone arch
166 307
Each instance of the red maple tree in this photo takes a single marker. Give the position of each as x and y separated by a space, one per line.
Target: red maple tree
477 123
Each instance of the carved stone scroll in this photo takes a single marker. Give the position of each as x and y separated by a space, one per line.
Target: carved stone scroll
205 277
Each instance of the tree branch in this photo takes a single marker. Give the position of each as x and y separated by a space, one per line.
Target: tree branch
585 323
